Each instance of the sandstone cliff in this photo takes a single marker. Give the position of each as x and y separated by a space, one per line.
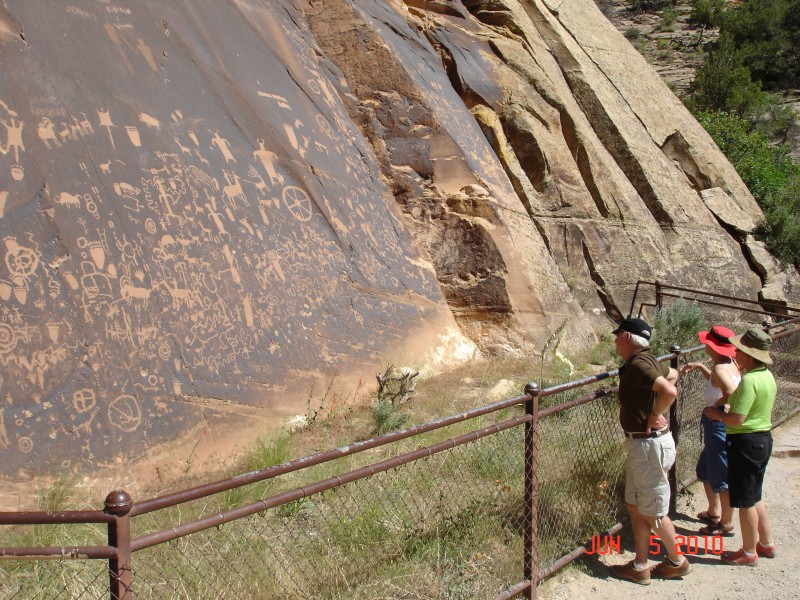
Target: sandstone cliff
206 206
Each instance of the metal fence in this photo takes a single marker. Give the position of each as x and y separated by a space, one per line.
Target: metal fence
475 505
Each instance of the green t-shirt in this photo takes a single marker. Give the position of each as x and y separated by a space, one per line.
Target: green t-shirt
753 398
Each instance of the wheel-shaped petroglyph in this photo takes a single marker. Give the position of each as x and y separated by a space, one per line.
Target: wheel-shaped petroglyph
124 413
297 202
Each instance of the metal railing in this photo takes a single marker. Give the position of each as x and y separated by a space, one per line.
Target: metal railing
662 292
484 503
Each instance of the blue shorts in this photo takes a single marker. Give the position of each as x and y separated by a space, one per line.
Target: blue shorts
712 466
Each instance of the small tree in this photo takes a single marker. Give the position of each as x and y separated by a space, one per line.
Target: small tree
706 14
723 83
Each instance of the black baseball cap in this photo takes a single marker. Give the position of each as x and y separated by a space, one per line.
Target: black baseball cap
636 327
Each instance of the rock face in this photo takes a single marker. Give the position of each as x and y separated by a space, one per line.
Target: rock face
207 207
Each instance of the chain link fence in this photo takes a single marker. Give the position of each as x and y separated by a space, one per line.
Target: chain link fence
442 513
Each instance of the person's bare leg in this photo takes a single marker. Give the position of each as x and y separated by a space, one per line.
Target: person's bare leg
641 534
713 500
748 521
666 531
726 511
764 524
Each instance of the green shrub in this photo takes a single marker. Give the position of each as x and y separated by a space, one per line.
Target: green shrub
723 82
388 417
669 17
770 175
632 33
677 324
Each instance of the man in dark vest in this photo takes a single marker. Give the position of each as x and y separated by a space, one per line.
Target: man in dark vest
646 391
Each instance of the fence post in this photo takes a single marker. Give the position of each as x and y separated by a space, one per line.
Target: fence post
119 503
675 428
530 527
659 300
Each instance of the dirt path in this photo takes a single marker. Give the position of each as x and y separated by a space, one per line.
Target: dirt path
778 578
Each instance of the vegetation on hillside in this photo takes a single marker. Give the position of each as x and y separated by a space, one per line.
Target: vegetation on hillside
757 52
736 95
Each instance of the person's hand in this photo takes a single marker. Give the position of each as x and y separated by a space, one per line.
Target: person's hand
713 413
689 367
656 423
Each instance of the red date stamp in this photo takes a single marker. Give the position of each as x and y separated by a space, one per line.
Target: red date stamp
684 544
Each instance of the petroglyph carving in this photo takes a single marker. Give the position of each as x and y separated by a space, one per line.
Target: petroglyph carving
149 121
133 135
279 100
13 137
129 291
47 134
67 199
233 191
124 413
223 146
297 202
267 159
300 146
105 121
20 261
3 198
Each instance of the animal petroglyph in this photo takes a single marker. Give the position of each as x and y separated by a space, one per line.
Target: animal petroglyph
46 132
149 121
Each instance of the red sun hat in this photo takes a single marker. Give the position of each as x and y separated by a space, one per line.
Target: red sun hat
719 339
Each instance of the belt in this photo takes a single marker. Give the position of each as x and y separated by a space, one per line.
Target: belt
641 435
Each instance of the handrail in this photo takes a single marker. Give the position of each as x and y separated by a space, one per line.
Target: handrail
660 287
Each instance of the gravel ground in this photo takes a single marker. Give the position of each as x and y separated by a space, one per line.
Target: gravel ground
778 578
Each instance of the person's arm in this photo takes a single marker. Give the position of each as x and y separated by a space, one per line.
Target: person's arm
722 380
741 400
730 418
666 392
696 366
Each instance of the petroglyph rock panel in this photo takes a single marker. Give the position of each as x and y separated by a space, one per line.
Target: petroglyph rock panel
206 207
188 212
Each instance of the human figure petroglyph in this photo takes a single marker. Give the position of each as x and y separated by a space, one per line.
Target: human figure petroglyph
14 136
223 145
46 132
267 159
104 117
214 216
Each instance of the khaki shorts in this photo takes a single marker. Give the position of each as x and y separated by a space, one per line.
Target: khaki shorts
646 482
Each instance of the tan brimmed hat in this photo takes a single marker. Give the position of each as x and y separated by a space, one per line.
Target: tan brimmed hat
755 343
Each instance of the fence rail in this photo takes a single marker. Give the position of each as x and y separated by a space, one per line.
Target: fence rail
485 503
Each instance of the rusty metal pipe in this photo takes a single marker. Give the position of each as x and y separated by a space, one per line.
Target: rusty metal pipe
218 519
57 552
209 489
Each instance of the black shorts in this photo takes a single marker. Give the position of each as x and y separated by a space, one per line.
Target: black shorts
748 455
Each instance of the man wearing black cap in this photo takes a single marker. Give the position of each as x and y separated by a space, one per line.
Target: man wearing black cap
646 391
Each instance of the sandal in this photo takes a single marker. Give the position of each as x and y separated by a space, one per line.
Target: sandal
708 517
717 529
